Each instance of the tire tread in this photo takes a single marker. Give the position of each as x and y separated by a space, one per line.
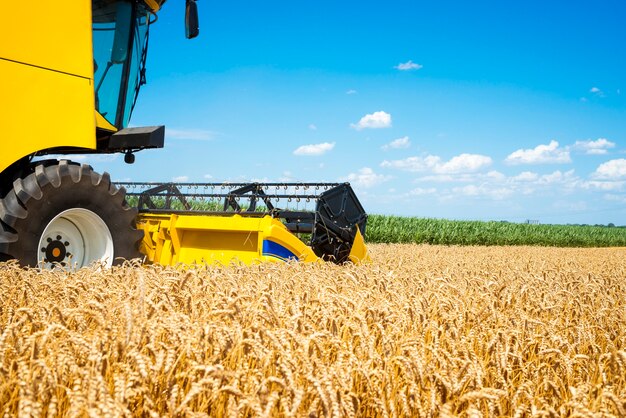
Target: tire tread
53 178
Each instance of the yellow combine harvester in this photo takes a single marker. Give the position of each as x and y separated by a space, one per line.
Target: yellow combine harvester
70 72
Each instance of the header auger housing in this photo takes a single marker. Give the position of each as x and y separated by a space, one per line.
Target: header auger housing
218 222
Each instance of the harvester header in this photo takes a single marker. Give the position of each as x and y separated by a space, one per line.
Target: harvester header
209 222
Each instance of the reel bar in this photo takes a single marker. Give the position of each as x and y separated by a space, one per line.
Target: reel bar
160 196
130 186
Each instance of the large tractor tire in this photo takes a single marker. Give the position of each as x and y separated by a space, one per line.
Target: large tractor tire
64 214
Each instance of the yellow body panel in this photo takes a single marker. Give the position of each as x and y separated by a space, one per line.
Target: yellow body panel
46 77
192 239
102 123
359 251
51 34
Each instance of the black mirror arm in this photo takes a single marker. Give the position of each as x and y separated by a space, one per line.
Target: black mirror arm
192 28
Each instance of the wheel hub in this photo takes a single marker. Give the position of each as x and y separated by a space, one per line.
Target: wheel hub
56 250
76 238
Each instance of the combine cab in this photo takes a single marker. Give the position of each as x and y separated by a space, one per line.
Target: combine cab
211 222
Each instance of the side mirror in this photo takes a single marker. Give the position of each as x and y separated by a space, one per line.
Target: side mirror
191 19
122 32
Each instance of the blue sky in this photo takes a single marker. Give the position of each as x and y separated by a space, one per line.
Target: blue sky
462 110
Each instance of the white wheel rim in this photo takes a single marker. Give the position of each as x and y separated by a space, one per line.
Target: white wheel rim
75 238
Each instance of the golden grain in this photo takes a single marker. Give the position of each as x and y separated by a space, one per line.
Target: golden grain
422 331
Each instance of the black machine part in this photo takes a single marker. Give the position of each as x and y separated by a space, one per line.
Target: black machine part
137 138
332 224
337 216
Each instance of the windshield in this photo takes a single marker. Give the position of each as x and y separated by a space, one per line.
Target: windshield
119 40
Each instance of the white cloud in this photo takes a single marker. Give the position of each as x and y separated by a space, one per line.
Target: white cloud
526 176
313 127
414 164
351 91
463 163
495 175
541 154
407 66
208 176
366 177
419 191
400 143
598 147
528 182
446 178
190 134
495 185
609 181
315 149
611 170
567 177
484 190
607 186
492 177
180 179
287 177
374 120
596 91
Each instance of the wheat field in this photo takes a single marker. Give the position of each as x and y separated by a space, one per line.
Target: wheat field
421 331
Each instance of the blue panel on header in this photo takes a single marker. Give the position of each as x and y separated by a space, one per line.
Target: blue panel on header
273 249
